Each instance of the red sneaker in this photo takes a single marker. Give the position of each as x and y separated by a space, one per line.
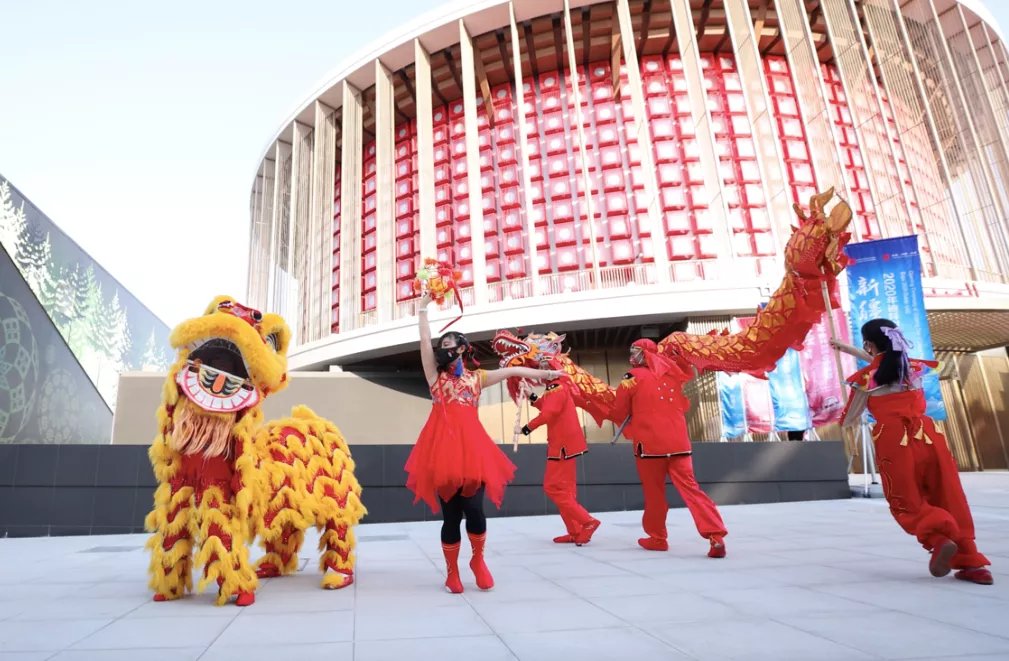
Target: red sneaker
653 544
584 536
717 549
942 554
564 539
979 575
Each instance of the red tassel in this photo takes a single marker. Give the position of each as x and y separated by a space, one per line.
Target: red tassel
455 289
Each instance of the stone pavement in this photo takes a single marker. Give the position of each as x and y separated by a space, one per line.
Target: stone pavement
816 580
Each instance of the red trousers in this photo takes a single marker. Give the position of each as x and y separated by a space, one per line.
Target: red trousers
561 486
680 470
921 483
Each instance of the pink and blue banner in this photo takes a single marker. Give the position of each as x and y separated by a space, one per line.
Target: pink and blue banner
884 280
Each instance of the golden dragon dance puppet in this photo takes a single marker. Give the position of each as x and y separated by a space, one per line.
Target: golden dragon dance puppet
225 477
814 258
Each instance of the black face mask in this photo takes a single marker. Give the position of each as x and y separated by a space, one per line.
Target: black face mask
445 357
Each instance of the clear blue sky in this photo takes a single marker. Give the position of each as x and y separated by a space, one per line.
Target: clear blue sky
137 126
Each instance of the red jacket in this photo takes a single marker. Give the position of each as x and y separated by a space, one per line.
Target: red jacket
656 406
565 436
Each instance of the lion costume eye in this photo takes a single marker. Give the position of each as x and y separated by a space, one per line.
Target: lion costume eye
273 339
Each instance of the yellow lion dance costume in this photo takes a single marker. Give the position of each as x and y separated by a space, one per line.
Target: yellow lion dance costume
225 477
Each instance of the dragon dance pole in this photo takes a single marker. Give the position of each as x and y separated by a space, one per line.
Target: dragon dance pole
620 430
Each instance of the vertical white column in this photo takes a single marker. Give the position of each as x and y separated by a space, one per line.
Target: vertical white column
266 237
350 208
588 202
385 193
691 58
523 142
321 221
473 165
298 245
644 138
425 151
763 127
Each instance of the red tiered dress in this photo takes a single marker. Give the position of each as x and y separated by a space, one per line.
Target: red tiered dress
453 451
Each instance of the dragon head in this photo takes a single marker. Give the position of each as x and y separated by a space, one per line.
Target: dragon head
816 247
534 350
230 357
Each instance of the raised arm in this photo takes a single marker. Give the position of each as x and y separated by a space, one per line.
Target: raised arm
493 377
851 351
427 359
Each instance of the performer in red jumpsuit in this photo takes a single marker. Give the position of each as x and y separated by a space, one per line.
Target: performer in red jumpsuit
565 443
651 394
454 461
921 481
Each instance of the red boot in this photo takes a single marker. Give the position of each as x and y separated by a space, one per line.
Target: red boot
979 575
453 583
942 553
717 549
653 544
564 539
584 536
484 580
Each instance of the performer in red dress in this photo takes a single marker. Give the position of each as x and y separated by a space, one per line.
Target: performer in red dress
651 395
921 481
454 462
565 443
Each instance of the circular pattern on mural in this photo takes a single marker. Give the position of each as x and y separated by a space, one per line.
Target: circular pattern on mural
19 369
59 409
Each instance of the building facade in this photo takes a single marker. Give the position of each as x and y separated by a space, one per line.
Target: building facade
624 163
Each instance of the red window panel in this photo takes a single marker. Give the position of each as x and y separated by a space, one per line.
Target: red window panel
511 217
442 174
443 216
405 227
446 254
560 188
507 154
616 204
553 122
563 211
682 247
509 199
622 252
607 134
678 222
611 157
708 246
515 268
564 233
556 144
513 242
442 153
613 180
619 226
538 213
567 258
443 194
535 169
334 325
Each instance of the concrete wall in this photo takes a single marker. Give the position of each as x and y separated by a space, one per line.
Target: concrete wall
108 489
386 410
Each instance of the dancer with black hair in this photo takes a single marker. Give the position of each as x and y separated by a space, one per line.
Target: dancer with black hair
920 477
454 462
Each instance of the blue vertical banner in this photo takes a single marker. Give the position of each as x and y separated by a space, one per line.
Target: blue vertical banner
788 396
731 404
884 280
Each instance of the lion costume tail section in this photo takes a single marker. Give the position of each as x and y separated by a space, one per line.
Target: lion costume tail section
310 472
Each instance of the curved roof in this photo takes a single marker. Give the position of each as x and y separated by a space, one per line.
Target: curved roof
485 15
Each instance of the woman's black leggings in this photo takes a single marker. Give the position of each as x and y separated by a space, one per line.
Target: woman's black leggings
458 507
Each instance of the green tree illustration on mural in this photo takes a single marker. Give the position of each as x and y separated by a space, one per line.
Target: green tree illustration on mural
154 358
33 257
12 220
116 332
